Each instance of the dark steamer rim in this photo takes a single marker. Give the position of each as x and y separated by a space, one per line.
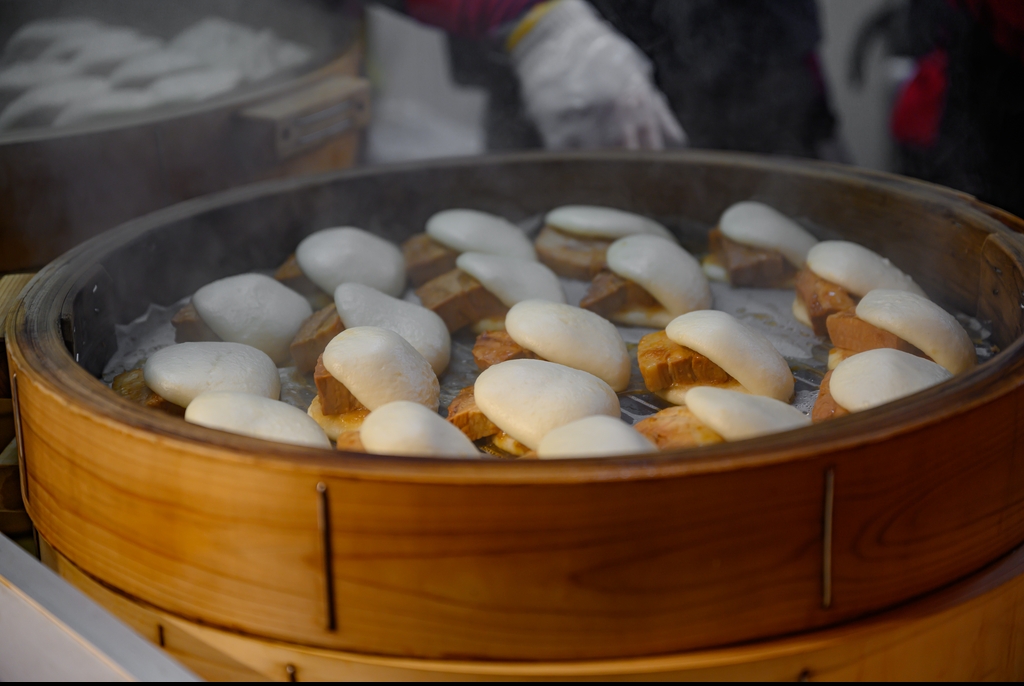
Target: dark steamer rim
36 324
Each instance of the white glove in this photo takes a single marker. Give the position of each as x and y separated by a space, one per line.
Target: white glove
586 86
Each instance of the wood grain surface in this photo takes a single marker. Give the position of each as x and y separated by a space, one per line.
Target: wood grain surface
11 286
572 560
13 518
968 632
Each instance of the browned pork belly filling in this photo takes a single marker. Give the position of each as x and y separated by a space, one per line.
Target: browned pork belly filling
426 259
850 332
335 398
675 428
460 300
821 298
825 407
132 385
664 363
189 326
313 336
609 294
573 257
493 347
748 266
468 417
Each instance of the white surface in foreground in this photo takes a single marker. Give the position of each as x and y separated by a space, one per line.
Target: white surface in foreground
49 631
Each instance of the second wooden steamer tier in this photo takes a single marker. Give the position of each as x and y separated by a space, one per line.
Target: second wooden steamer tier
580 559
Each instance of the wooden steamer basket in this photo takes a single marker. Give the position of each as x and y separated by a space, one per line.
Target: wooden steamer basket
499 562
61 186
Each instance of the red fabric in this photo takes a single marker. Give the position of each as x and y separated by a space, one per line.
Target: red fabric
1004 20
467 18
919 107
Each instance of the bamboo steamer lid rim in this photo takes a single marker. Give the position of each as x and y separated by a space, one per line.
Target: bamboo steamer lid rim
38 350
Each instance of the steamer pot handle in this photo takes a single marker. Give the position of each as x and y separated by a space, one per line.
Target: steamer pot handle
314 114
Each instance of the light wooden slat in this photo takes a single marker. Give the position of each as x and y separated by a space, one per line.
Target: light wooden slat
969 632
13 518
11 286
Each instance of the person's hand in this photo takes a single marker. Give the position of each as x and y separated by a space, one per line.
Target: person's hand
585 85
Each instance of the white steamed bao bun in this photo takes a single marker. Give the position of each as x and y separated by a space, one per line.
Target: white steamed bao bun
331 257
256 416
183 371
255 310
408 428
